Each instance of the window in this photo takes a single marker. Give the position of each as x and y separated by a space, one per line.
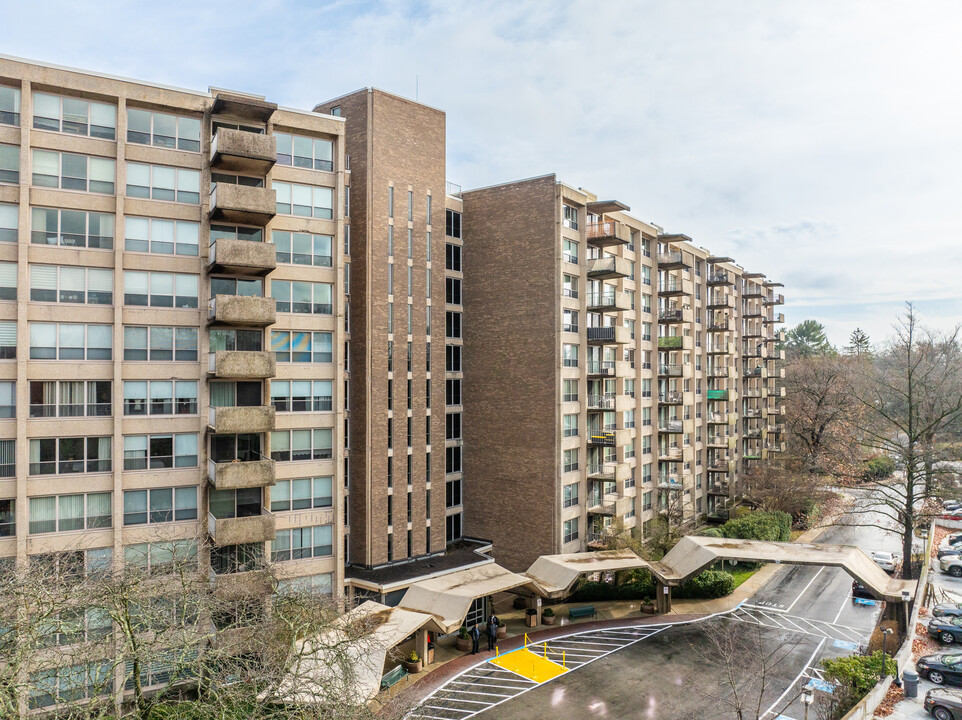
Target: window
320 584
570 495
630 449
452 391
64 513
303 297
69 341
570 425
303 248
71 228
452 324
159 557
646 331
240 393
452 527
68 284
69 684
570 532
160 505
645 302
142 452
569 355
160 397
156 289
74 564
74 116
9 221
452 358
49 456
163 130
304 200
302 395
242 287
298 346
646 247
72 172
298 445
629 418
569 251
9 105
236 232
645 273
302 543
452 224
160 344
8 281
10 163
70 398
570 391
453 426
571 460
240 503
302 494
231 339
452 459
242 448
305 152
162 237
569 286
452 493
570 320
410 206
452 288
8 518
452 257
160 182
646 500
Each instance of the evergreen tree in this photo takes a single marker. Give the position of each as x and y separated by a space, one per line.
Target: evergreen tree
859 344
807 339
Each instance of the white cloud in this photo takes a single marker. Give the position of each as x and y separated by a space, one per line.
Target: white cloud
816 141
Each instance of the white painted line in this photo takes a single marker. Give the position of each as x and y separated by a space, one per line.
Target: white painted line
788 609
462 700
818 648
750 606
592 642
848 600
475 692
440 707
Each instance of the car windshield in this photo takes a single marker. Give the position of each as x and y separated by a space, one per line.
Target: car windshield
957 621
951 660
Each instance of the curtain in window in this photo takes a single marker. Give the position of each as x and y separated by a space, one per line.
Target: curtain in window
46 163
71 399
135 452
43 282
43 513
71 512
101 171
185 450
161 398
223 394
186 290
100 280
221 503
185 503
98 510
281 496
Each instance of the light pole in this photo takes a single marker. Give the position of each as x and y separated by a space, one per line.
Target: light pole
885 633
808 697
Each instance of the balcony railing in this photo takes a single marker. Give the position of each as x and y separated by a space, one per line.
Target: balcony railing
672 258
674 342
606 504
775 300
602 402
671 370
605 368
257 471
669 482
719 326
670 426
671 315
611 334
608 267
672 397
717 394
605 233
720 277
608 300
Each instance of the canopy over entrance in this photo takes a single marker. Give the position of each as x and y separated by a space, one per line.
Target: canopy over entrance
555 575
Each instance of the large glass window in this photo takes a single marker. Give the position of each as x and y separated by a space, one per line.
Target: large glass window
163 130
49 456
303 297
159 343
297 445
161 237
160 505
305 152
9 105
231 339
70 398
160 397
9 164
160 451
299 346
303 248
72 228
9 222
302 494
159 182
302 395
74 116
69 341
63 513
156 289
68 171
236 232
302 543
69 284
304 200
452 225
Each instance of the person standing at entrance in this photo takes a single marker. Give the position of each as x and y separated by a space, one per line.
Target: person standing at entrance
492 631
475 638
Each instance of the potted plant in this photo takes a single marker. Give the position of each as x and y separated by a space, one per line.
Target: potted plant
647 606
519 603
547 616
463 640
502 629
412 663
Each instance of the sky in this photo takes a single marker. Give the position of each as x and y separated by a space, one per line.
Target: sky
817 141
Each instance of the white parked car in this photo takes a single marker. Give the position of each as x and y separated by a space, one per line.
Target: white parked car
885 560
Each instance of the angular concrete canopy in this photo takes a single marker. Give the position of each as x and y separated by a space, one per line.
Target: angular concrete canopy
555 575
693 554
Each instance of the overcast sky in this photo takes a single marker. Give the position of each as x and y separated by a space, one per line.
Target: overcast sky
818 142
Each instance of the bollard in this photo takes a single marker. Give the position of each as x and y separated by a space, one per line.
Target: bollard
910 683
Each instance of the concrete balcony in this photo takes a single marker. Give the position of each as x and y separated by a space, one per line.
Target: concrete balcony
752 413
671 397
242 204
673 260
609 438
720 348
720 325
242 310
241 474
724 442
718 488
675 342
608 268
242 152
754 372
668 316
610 401
753 311
719 465
667 453
751 350
671 482
608 368
671 370
609 336
241 419
607 234
775 447
608 504
608 301
720 395
778 318
242 364
241 257
720 301
617 472
720 372
240 531
671 426
751 290
721 277
775 300
673 286
722 418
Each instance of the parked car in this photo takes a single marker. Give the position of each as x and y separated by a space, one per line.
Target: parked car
943 704
947 610
946 629
949 551
951 540
952 564
941 669
861 591
885 560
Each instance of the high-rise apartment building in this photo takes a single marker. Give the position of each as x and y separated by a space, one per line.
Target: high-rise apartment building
172 327
614 372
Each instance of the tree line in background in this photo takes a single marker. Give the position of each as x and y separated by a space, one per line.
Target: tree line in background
886 416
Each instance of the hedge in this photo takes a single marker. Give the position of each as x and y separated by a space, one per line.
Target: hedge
707 585
773 526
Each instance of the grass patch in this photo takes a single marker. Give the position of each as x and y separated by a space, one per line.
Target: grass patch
743 575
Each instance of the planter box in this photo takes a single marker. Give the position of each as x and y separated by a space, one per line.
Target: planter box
502 631
462 643
548 619
412 667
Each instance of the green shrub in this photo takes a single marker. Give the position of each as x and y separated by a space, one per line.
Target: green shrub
772 526
707 585
712 532
855 675
878 467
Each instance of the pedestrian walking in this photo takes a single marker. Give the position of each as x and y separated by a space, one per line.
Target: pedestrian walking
475 635
492 630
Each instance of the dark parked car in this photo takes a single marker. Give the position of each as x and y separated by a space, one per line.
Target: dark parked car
860 591
941 669
943 704
954 551
947 610
946 629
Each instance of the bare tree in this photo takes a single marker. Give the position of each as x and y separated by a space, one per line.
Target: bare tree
912 398
788 487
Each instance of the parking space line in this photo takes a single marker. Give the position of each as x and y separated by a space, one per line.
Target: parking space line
804 589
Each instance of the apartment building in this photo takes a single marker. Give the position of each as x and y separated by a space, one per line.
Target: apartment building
172 322
615 372
404 477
